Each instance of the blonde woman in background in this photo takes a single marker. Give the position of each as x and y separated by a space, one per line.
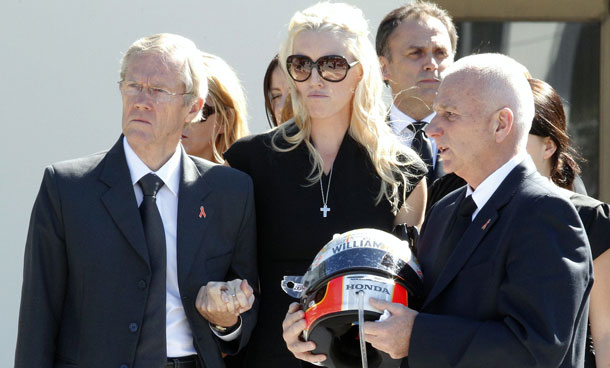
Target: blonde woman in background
224 115
335 167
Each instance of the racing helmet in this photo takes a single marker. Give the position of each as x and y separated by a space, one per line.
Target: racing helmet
345 273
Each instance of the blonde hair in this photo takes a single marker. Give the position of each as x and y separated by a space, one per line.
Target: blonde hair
368 124
183 52
226 96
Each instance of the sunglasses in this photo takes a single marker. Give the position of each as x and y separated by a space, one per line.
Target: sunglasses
206 112
332 68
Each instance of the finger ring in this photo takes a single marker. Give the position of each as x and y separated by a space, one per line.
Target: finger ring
233 295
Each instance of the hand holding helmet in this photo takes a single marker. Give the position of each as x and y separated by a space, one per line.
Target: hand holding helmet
394 333
293 326
340 288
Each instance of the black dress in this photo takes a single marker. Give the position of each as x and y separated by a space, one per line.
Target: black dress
441 187
290 226
595 216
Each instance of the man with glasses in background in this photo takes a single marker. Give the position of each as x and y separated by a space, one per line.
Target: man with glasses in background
126 248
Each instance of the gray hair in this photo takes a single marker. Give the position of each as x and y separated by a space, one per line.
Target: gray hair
183 52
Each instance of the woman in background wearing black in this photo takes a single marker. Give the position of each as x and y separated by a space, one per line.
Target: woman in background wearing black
549 146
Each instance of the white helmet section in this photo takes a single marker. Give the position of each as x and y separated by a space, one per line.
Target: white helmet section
350 251
365 238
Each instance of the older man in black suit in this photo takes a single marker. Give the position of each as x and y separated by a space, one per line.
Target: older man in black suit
505 259
109 285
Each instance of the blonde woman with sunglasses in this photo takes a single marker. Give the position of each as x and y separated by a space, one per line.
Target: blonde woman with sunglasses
223 117
335 167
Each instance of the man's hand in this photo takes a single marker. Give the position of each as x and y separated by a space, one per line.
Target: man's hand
222 302
293 325
393 335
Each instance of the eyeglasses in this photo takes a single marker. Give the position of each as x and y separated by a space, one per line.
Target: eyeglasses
206 112
157 94
332 68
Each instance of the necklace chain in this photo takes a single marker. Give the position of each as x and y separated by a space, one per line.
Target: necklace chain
325 209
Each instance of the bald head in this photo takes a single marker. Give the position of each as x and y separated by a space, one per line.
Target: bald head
500 82
484 109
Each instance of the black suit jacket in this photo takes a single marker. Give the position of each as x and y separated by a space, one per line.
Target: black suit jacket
86 261
595 216
514 292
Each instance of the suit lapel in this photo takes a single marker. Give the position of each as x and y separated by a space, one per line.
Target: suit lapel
482 224
192 215
120 200
463 249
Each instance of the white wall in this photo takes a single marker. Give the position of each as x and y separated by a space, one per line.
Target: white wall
59 98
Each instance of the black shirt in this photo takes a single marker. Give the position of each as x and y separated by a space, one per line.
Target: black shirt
290 226
595 216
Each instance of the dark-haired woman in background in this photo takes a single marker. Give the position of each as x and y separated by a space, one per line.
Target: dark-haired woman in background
549 146
278 104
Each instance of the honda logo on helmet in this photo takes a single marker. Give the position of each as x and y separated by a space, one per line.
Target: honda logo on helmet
376 288
335 292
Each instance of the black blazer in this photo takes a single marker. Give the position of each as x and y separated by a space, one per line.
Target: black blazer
514 292
87 268
595 216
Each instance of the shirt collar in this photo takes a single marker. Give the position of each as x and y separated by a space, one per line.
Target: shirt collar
487 188
169 172
400 120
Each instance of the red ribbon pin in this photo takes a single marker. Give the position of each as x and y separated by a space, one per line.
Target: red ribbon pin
482 227
202 212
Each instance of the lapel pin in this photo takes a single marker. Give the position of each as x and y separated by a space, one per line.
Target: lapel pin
482 227
202 212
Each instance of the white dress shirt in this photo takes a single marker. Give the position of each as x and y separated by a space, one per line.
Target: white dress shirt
399 121
178 331
488 187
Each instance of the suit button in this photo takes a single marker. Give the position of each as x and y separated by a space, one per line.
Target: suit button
185 298
133 327
142 284
124 366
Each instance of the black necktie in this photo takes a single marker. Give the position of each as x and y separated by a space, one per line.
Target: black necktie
152 349
421 143
452 236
